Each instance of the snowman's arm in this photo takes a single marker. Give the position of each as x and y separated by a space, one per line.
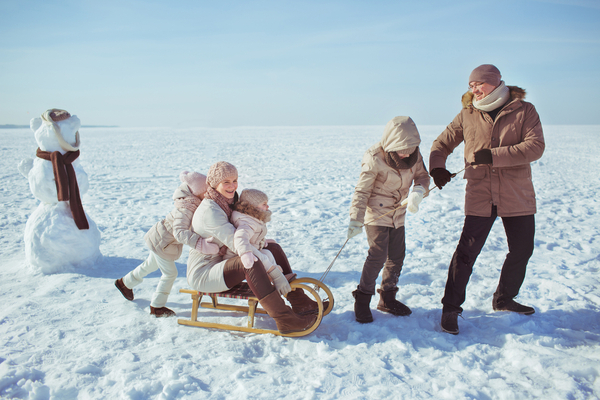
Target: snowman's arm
25 166
35 123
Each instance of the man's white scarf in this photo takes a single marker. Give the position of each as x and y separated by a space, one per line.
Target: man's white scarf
493 100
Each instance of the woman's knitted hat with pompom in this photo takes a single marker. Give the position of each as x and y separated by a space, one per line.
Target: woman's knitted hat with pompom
220 171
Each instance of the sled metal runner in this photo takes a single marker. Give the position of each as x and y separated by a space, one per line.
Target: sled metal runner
242 291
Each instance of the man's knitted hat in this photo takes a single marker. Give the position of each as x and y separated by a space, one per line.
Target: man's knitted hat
220 171
195 181
486 73
253 197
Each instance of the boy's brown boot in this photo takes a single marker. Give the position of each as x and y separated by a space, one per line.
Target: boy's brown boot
362 308
389 304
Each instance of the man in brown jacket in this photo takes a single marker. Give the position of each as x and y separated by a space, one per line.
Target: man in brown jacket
502 134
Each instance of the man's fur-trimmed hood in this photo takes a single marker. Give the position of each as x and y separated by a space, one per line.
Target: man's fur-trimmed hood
516 93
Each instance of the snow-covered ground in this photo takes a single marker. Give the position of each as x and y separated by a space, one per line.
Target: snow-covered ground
73 336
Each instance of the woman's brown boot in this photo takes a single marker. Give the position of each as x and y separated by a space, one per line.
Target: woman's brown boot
302 304
287 321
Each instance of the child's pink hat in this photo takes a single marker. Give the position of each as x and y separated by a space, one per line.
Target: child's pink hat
195 181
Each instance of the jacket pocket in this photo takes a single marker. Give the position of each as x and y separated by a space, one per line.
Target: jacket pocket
381 203
476 173
517 173
516 191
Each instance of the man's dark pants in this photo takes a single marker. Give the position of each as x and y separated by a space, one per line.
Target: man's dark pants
519 235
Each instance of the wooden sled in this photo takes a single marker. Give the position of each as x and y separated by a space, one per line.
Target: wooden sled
242 291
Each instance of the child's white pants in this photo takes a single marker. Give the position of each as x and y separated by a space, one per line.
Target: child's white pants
152 263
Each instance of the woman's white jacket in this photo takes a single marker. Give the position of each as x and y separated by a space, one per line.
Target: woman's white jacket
205 271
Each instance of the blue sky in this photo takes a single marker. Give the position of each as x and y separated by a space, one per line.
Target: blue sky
269 63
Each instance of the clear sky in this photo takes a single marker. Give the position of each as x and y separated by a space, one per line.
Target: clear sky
266 63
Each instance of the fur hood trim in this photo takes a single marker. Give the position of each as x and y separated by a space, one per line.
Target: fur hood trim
516 93
246 208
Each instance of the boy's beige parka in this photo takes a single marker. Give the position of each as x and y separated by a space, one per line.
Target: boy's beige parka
381 188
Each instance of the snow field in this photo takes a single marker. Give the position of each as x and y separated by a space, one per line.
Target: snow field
73 336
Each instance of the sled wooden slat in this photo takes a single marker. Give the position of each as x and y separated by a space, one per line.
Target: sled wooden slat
242 291
228 327
231 307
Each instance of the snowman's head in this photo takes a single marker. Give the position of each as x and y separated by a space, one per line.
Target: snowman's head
56 130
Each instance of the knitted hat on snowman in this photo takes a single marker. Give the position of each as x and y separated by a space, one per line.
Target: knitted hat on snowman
54 115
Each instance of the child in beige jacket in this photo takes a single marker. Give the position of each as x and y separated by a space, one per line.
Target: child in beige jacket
165 241
389 170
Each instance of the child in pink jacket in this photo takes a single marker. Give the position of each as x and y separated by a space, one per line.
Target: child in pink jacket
250 220
250 216
165 241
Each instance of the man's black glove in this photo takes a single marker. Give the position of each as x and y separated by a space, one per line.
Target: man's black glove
482 157
440 176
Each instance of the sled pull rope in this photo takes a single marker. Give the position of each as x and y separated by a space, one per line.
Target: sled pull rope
402 204
331 265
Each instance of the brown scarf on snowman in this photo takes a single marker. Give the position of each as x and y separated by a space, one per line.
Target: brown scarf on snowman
65 178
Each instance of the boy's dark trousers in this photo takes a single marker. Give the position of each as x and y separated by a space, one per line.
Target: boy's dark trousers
386 250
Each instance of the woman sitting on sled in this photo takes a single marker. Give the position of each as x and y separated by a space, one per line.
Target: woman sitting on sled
213 273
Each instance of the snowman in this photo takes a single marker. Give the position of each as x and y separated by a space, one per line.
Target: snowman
59 235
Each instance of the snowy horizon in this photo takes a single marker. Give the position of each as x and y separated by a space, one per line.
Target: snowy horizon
71 335
174 128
